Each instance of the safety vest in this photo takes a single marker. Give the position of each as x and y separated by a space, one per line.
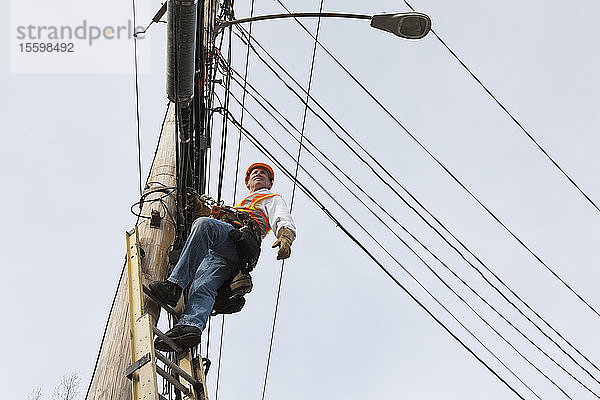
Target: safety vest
249 206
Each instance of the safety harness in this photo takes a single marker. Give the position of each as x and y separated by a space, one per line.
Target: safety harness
251 225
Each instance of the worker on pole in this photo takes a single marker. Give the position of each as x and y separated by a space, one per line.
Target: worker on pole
221 248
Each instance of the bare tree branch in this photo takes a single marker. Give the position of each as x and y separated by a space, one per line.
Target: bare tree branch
68 388
35 394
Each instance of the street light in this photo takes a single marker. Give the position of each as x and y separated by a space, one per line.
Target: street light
413 25
410 25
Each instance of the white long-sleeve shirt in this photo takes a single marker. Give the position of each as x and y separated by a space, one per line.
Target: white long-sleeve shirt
276 210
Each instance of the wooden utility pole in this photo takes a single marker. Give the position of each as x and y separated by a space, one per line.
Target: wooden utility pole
109 381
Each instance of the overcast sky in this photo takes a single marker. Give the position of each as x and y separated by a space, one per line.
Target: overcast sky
345 330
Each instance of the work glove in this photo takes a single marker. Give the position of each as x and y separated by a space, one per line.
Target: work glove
200 209
285 237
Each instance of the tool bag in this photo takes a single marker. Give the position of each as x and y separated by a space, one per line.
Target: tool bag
248 247
230 296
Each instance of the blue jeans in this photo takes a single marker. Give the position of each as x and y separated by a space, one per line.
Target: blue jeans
209 257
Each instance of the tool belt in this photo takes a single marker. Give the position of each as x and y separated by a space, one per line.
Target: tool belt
245 235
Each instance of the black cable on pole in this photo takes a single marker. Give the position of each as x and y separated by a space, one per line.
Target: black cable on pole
439 222
313 198
389 175
439 260
177 121
503 107
225 125
208 336
221 170
212 94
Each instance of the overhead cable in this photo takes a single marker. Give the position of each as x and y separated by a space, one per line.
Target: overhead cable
220 355
449 243
391 177
338 62
310 78
137 100
503 107
446 229
313 198
432 254
439 277
451 174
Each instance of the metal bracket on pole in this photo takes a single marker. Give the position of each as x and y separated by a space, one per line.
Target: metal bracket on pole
137 365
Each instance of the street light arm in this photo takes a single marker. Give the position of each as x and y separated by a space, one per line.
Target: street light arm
410 25
224 24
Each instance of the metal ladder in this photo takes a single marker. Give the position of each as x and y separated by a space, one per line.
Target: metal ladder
188 376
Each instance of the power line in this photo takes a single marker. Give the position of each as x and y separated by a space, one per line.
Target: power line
310 78
430 252
313 198
521 242
389 175
437 275
419 203
505 109
220 355
137 100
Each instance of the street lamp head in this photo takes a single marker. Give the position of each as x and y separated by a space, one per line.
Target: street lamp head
411 25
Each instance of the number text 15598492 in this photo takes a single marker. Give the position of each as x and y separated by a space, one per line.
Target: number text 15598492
63 47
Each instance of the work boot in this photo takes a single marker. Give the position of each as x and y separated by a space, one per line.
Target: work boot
185 336
241 284
166 292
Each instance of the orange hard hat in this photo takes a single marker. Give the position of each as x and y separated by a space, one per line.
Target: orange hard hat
259 165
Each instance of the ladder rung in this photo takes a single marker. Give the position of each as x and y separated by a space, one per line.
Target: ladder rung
173 381
166 307
179 371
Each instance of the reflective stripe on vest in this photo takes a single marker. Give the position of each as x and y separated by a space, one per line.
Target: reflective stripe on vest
248 206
